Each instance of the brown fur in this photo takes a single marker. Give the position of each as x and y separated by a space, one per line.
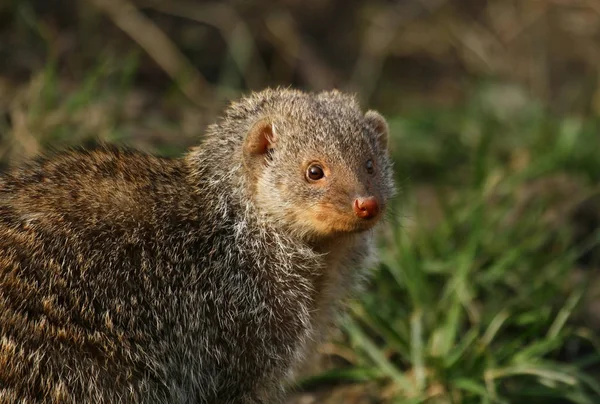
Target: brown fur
131 278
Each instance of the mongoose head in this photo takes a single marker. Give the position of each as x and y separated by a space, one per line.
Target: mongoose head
316 163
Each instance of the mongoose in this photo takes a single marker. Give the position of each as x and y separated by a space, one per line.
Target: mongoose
126 277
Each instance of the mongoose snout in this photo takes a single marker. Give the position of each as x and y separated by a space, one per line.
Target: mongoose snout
366 208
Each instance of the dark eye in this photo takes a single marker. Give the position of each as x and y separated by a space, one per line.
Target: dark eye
314 173
370 166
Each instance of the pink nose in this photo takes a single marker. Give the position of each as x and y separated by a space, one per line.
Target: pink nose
366 208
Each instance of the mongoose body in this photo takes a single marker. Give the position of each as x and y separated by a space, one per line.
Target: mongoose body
131 278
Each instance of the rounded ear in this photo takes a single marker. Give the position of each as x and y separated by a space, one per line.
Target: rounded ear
258 143
379 124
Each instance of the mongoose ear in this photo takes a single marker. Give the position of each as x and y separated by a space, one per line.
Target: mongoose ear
379 124
259 142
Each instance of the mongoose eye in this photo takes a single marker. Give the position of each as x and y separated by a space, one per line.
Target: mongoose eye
370 166
314 173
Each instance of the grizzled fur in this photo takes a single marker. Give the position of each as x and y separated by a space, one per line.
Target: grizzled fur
131 278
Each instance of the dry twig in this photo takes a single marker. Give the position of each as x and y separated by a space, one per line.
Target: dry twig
240 40
158 45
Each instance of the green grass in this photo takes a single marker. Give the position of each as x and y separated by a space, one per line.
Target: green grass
474 299
479 305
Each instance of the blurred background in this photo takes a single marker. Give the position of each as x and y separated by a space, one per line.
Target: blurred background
487 291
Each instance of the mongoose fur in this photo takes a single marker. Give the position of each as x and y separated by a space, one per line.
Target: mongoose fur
126 277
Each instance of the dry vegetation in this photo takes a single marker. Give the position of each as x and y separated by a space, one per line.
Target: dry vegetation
487 291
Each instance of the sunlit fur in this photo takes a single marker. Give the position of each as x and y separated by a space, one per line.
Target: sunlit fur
327 128
131 278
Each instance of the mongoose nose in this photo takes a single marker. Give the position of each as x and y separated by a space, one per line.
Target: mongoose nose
366 208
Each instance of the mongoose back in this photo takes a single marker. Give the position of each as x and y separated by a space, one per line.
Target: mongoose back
126 277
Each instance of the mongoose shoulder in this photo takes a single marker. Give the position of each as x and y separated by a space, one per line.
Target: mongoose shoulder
126 277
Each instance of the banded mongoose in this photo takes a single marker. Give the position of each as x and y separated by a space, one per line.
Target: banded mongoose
126 277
